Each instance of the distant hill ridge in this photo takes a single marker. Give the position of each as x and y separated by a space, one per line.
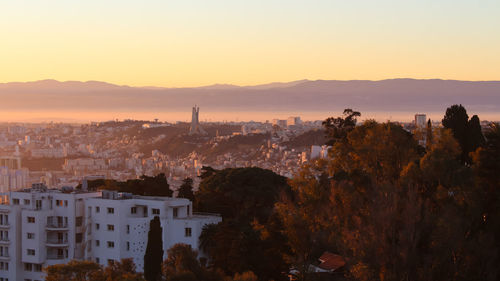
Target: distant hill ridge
417 95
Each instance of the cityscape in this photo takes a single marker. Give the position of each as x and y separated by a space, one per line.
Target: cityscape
233 140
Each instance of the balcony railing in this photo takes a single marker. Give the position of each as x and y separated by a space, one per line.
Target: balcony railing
55 257
56 242
4 225
56 226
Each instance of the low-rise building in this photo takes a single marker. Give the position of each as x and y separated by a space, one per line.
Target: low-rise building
41 227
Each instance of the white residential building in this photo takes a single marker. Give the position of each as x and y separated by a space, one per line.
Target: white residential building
41 227
420 120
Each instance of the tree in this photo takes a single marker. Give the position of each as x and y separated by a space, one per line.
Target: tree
338 128
467 132
145 185
73 271
154 251
123 270
182 264
475 136
182 260
428 133
186 189
245 276
249 237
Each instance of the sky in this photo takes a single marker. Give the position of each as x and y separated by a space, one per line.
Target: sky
246 42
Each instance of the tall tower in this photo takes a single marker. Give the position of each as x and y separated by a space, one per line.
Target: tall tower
196 129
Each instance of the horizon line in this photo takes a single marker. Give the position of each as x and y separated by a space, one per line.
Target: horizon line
239 86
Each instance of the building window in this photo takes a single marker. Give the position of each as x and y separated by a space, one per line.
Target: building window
128 246
4 251
28 266
37 267
133 210
111 210
4 235
111 227
15 201
59 203
97 226
30 252
4 266
4 219
31 219
27 201
97 260
156 211
79 221
97 209
30 235
187 231
128 229
97 243
90 212
79 237
66 203
176 212
111 244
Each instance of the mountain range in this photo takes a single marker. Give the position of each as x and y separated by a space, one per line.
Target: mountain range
409 95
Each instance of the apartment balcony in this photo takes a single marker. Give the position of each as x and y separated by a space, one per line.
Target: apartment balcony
4 226
5 258
55 257
57 243
4 241
56 227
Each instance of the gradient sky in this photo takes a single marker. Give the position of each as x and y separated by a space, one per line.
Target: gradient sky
200 42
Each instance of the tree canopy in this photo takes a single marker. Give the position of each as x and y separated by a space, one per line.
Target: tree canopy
249 238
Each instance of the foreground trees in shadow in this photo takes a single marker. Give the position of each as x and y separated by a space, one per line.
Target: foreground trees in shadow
397 212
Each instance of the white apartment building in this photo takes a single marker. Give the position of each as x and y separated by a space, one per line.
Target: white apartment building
420 120
41 227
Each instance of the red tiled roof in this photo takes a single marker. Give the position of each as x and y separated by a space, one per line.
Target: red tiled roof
330 261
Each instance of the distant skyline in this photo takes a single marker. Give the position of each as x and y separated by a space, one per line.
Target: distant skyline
193 43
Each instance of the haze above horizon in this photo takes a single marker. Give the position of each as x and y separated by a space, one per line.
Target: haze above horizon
195 43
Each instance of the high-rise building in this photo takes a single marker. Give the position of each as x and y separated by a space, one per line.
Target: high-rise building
41 227
420 120
196 128
293 120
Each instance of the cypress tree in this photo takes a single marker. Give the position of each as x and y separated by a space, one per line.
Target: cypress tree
153 257
475 136
428 136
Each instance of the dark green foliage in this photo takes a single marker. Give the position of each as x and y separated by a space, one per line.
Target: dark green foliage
466 132
428 133
147 186
249 238
186 189
182 264
456 119
305 140
475 136
154 251
241 194
337 128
